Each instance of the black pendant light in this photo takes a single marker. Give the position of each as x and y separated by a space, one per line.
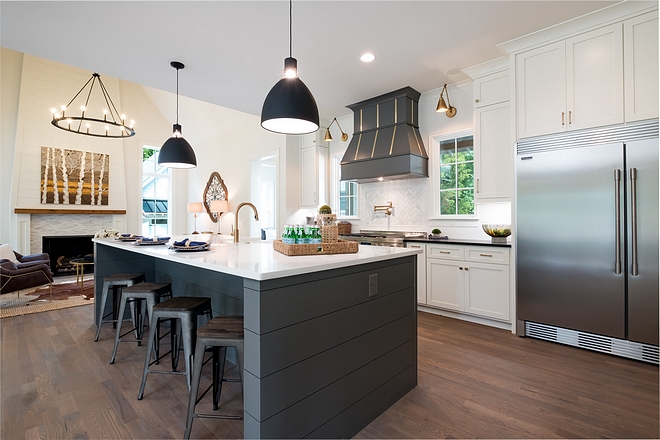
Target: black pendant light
290 107
176 152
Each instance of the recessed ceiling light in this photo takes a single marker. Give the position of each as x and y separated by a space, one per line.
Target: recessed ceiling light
368 57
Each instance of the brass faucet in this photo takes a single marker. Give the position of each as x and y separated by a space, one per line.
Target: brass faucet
256 217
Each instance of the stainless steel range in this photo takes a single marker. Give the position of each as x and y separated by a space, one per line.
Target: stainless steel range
381 238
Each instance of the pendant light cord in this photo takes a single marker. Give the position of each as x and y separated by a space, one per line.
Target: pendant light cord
177 96
290 27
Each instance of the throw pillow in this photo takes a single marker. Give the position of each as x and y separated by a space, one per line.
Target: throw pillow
7 253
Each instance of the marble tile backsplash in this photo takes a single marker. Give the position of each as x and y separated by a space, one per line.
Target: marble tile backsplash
409 210
64 224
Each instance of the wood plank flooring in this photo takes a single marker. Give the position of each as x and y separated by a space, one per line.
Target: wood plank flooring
474 382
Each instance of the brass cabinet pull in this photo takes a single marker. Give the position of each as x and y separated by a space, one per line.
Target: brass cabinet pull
414 246
485 255
467 268
569 117
562 118
460 268
444 252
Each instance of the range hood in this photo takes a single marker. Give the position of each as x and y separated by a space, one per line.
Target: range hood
386 143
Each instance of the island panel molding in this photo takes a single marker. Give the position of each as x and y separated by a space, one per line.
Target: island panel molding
215 190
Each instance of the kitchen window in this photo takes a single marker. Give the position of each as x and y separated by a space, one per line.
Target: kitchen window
346 193
456 171
155 194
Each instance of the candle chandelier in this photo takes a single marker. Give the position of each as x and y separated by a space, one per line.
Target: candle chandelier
107 123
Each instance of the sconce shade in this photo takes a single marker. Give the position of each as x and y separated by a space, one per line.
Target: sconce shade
290 108
195 207
442 106
445 107
176 152
328 136
219 206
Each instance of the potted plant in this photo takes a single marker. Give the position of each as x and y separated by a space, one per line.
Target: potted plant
435 233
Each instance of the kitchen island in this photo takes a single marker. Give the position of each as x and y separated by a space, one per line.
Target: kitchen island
330 340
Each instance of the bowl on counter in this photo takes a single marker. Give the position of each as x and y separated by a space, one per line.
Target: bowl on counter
498 233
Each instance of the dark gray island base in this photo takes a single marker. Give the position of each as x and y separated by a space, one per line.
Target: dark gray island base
322 358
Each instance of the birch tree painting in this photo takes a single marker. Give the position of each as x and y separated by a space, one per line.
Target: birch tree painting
71 177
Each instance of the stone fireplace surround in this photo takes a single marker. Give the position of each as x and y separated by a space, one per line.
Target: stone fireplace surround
65 224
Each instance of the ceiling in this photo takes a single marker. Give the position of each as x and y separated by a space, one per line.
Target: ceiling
234 50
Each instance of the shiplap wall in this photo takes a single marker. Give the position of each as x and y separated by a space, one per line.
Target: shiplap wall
46 85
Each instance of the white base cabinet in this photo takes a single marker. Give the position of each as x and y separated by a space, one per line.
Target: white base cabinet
421 271
469 279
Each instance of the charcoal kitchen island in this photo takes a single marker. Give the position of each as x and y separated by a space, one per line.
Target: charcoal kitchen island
330 340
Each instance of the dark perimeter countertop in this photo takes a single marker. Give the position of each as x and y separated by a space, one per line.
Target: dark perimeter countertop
463 241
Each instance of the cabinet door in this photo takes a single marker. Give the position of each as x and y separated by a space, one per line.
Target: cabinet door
641 66
594 78
491 89
493 152
445 284
487 290
541 90
309 178
421 271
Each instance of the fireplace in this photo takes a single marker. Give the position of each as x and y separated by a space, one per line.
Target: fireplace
63 248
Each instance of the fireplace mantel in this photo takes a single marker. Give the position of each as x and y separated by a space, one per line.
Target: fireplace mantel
68 211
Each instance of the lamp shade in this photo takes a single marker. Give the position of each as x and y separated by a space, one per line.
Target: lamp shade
195 207
219 206
176 152
290 108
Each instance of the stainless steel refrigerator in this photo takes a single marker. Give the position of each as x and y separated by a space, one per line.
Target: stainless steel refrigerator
587 239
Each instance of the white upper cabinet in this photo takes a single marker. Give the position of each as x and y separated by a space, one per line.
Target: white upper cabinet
541 90
571 84
594 78
313 172
493 150
641 66
491 89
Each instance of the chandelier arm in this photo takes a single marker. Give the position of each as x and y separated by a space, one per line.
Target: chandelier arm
109 103
81 89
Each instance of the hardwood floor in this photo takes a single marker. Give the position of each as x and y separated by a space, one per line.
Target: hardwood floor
474 382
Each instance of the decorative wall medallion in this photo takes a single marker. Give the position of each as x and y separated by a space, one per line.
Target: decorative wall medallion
73 177
215 190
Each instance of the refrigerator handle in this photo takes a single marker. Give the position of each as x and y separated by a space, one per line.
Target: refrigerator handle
633 219
617 208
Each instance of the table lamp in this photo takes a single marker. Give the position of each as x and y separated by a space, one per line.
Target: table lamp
219 206
195 207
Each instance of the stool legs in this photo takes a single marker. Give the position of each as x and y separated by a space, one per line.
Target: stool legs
138 321
150 346
192 398
104 299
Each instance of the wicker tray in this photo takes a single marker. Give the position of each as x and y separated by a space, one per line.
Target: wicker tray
341 247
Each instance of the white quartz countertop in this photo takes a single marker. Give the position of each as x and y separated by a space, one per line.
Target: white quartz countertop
257 259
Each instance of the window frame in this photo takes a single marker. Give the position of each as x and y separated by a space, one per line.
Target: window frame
167 174
435 166
336 191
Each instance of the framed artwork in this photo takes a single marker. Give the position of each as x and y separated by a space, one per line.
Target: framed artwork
215 190
72 177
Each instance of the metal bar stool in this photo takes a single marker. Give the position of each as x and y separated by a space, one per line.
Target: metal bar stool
219 333
182 311
114 282
135 295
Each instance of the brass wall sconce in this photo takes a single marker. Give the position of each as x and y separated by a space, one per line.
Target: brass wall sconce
328 137
445 106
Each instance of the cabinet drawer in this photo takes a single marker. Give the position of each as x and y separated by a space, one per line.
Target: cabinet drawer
487 254
446 252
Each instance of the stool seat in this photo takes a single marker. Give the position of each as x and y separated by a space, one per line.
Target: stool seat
184 304
222 327
182 311
113 282
219 333
151 293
